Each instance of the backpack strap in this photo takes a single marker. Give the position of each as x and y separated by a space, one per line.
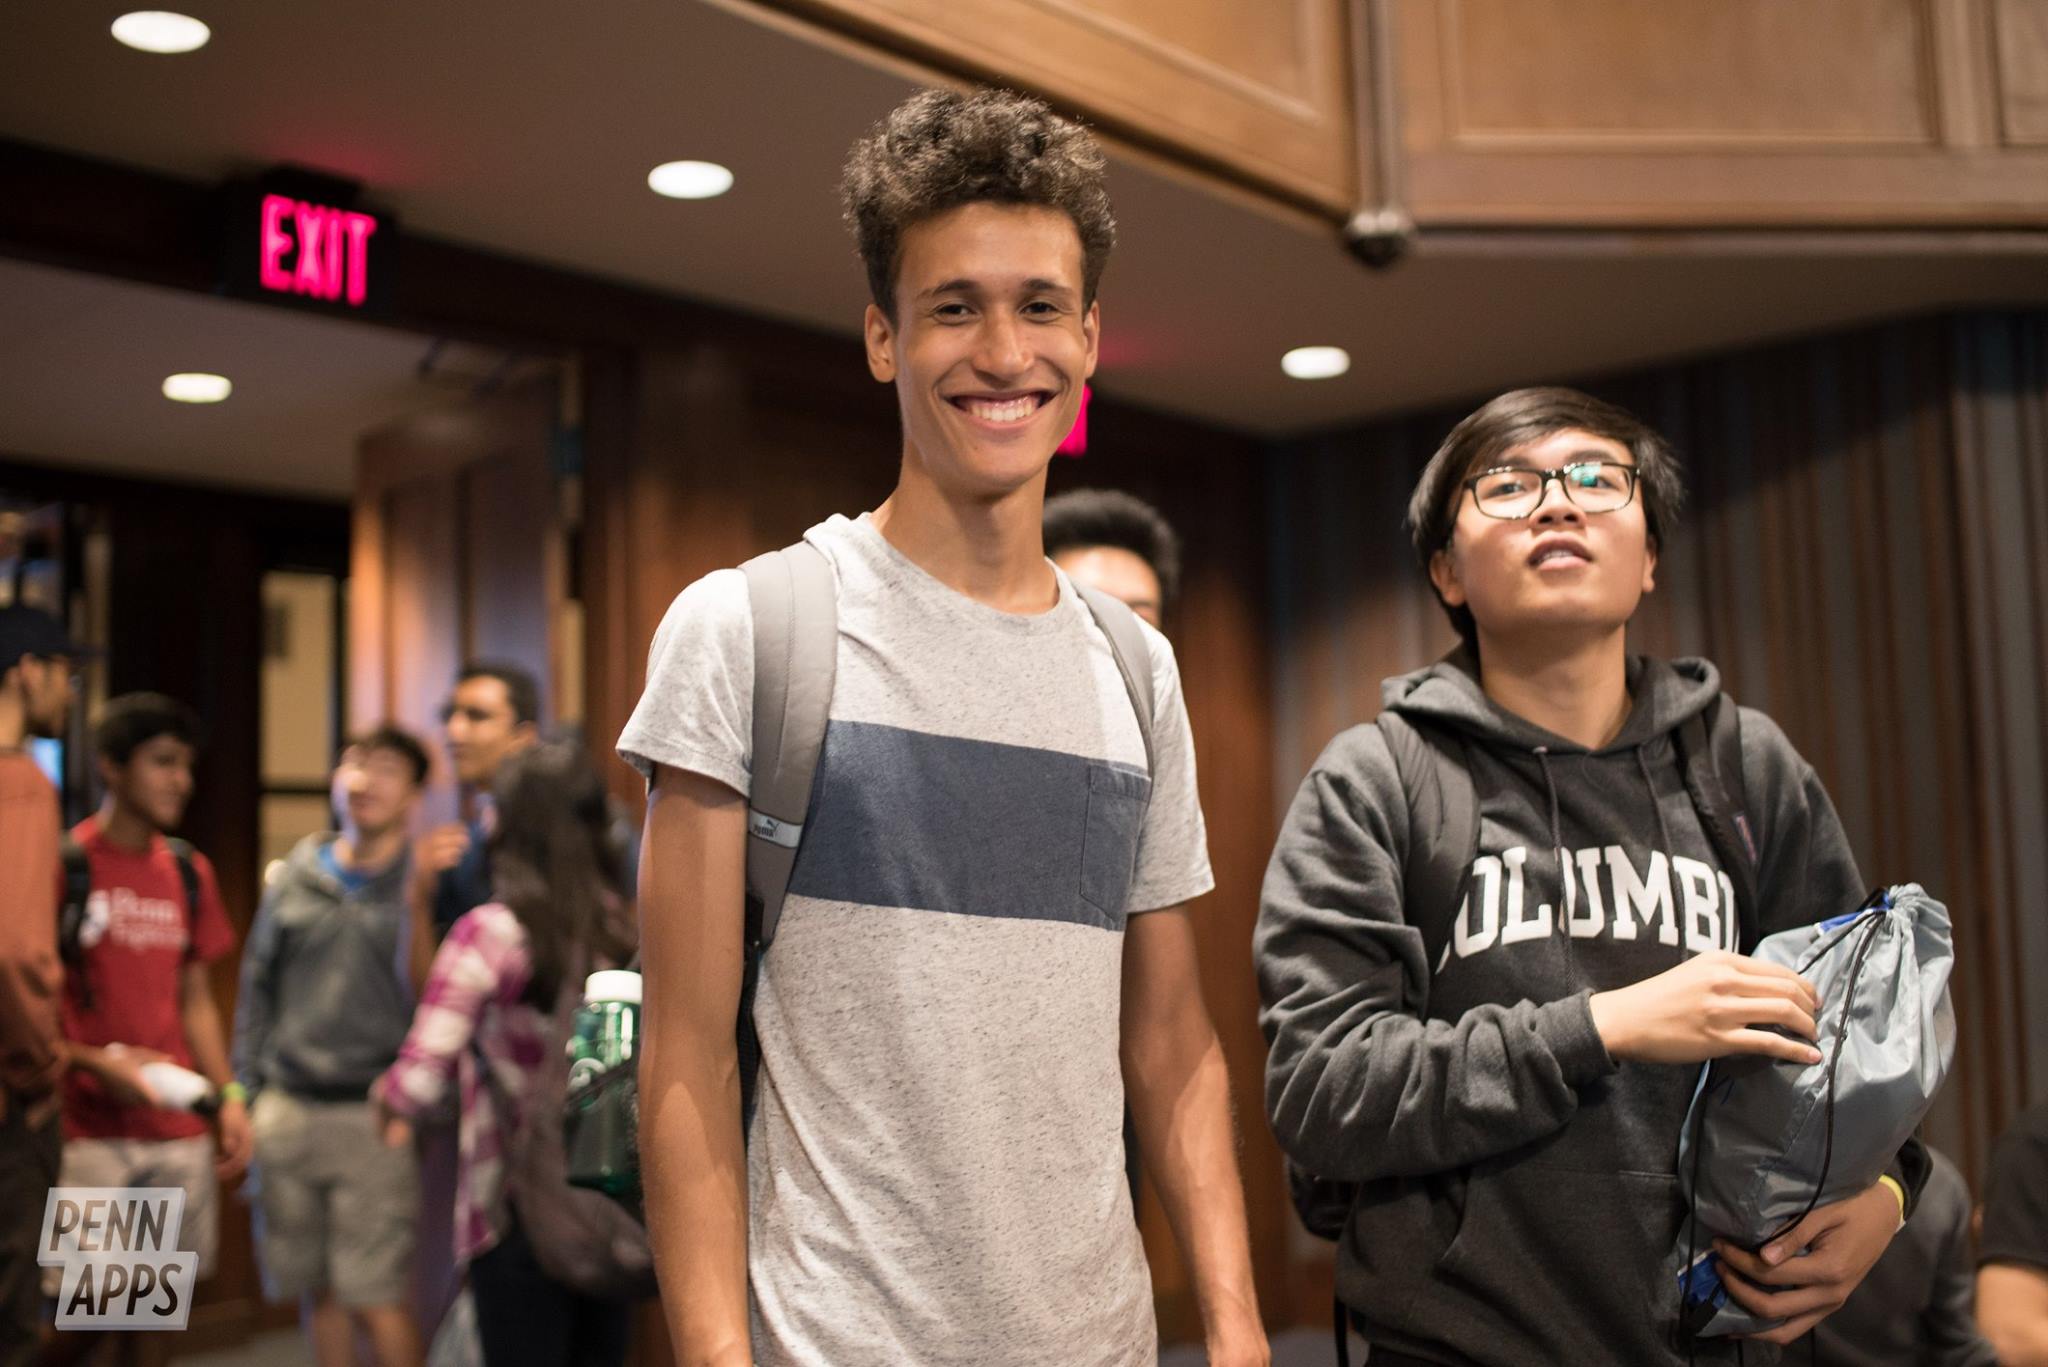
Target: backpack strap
77 866
188 874
1133 656
1443 820
77 888
796 651
1710 758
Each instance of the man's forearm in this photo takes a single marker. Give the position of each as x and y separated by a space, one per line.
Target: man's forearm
205 1038
695 1172
1180 1101
419 938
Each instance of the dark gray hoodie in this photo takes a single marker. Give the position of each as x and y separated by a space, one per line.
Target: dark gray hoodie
1519 1202
324 1001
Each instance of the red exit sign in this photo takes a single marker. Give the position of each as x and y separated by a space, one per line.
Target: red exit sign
312 250
298 237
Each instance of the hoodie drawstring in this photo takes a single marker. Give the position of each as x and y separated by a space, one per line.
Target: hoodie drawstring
1663 824
1564 873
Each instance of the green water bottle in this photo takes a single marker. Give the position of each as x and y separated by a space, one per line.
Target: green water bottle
599 1138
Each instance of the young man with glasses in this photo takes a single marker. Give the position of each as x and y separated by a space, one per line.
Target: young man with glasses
325 1002
1503 1070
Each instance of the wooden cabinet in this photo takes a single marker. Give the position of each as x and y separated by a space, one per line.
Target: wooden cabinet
1735 113
1260 92
1596 114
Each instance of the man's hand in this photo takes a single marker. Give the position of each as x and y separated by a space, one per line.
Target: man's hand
1843 1242
237 1143
119 1071
438 851
1708 1007
393 1128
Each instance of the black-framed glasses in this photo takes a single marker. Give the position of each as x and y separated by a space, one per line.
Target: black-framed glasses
1515 491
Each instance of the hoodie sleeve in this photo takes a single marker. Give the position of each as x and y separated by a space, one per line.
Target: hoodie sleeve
256 997
1360 1083
1807 871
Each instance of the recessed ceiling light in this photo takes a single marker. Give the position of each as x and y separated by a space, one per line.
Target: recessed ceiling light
1316 362
689 179
156 30
197 387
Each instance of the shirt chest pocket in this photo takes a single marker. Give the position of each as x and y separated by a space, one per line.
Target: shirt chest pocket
1117 799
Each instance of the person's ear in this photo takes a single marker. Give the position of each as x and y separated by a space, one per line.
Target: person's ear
880 335
1443 573
526 733
109 772
1650 566
1091 329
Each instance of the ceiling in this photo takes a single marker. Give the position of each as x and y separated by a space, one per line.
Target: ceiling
528 127
83 360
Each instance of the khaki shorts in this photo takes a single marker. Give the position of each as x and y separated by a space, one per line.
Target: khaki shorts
336 1209
186 1163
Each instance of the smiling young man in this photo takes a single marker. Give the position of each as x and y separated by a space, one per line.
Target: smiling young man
1504 1069
962 991
154 925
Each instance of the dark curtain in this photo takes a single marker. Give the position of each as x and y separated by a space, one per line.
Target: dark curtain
1863 557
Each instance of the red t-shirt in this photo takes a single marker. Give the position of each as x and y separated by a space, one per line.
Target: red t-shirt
135 965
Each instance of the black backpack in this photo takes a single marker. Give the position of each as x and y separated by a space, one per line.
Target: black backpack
78 891
1443 824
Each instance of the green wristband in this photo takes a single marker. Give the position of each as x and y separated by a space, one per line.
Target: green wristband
234 1091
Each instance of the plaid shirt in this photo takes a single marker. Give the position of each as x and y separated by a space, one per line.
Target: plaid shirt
472 997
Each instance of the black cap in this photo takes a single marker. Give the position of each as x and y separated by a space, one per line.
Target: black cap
31 631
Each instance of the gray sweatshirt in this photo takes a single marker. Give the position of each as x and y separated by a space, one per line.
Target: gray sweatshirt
324 1001
1520 1200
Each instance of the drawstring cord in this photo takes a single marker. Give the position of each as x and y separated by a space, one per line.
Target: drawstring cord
1663 822
1564 873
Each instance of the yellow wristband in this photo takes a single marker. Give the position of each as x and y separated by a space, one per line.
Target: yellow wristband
235 1091
1899 1192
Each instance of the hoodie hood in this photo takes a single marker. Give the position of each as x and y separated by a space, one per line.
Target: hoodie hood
306 872
324 1003
1665 694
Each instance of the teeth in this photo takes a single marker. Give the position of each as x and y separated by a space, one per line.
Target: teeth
1011 410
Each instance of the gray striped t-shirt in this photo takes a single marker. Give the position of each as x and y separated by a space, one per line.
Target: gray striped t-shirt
935 1168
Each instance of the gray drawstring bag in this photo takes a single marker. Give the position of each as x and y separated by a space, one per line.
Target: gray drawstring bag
1767 1141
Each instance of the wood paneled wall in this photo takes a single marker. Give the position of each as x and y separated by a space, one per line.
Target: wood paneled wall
703 456
458 554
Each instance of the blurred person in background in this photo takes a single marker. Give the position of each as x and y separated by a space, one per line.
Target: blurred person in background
483 1025
36 659
140 990
492 715
325 1002
1118 543
2012 1258
1917 1308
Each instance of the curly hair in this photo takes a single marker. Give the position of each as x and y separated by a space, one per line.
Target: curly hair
134 719
941 149
1517 418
